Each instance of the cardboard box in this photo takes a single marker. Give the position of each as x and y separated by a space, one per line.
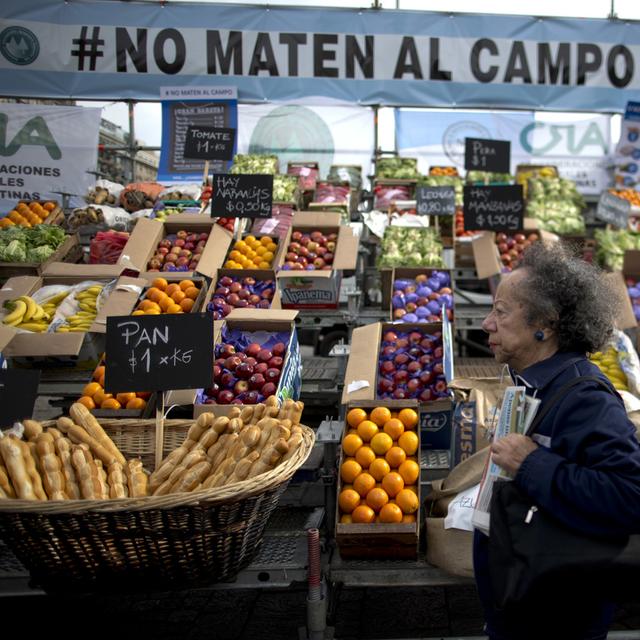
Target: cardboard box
361 379
69 251
255 320
275 238
119 302
147 233
317 289
630 269
175 277
378 540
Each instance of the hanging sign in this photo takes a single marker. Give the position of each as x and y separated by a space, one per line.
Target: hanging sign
242 195
613 210
495 208
209 143
435 201
487 155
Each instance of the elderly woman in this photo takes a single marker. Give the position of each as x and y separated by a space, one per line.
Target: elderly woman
583 463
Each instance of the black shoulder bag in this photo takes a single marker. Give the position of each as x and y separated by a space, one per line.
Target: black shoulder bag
530 550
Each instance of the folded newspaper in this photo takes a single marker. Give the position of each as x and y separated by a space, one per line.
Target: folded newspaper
516 415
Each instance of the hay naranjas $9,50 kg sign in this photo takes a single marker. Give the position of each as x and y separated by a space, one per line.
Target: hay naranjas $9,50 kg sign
159 353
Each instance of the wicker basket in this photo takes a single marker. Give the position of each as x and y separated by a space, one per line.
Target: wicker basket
146 543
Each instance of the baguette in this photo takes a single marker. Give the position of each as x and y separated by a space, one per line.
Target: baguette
99 479
235 425
196 430
209 438
258 412
64 423
194 457
223 450
83 472
296 413
234 412
5 483
269 458
243 467
54 433
293 442
63 448
82 416
162 473
78 435
192 478
137 479
32 429
218 478
117 481
11 453
247 414
250 436
52 476
34 476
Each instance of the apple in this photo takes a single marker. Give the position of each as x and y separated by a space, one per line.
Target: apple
253 349
414 385
400 377
212 392
154 263
385 386
279 349
162 251
427 377
268 389
399 394
390 336
225 396
179 243
244 370
232 362
256 381
438 369
401 359
171 257
387 367
426 395
328 257
441 386
227 350
233 299
272 375
240 387
252 397
182 262
182 235
264 355
414 367
234 287
227 380
296 235
318 263
275 362
261 367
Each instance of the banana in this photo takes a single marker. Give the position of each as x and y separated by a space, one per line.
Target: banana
78 329
62 330
40 314
33 326
86 314
57 299
19 309
95 289
86 307
31 307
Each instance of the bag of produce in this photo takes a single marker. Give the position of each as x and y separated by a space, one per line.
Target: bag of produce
182 191
140 195
106 247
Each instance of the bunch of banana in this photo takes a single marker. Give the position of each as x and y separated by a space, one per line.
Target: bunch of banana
84 318
609 364
26 313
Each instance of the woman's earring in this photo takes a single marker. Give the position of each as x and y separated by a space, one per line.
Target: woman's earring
539 335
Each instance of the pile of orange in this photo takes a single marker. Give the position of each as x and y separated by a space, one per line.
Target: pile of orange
94 396
380 471
252 253
162 297
28 215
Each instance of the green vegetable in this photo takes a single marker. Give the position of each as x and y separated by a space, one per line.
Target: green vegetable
612 243
410 247
254 163
488 177
14 252
557 205
284 188
40 254
397 168
30 244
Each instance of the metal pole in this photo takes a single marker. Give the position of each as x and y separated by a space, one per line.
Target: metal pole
132 139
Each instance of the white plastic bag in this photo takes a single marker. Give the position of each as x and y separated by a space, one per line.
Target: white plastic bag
116 218
461 509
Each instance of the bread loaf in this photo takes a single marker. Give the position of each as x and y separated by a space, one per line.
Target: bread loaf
195 456
53 478
117 481
192 477
78 435
32 429
241 470
83 417
34 476
11 452
99 479
162 473
5 483
63 449
269 457
83 472
137 479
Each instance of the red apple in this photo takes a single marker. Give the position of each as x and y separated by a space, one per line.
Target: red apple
261 367
268 389
256 381
279 349
272 375
275 362
240 387
225 397
244 371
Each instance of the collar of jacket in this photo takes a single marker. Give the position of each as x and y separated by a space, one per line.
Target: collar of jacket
540 374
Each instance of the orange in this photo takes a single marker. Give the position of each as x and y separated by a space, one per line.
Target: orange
380 415
100 396
410 471
363 514
391 513
165 303
192 292
174 308
377 498
123 398
87 401
178 296
395 457
350 470
152 312
264 265
365 456
136 403
409 442
98 372
351 443
172 288
147 305
408 518
187 304
160 283
381 443
367 429
272 246
186 284
154 294
348 500
355 417
379 468
409 418
100 381
49 206
393 483
364 483
90 389
138 312
111 403
407 500
394 428
265 240
346 518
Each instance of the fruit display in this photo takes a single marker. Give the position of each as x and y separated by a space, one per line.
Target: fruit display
227 223
557 206
233 292
246 371
25 313
164 297
631 195
443 171
460 231
101 195
179 251
162 212
33 245
488 177
307 175
523 176
328 193
445 180
411 366
86 311
609 364
254 163
633 289
94 396
397 168
511 247
612 243
28 214
385 194
410 247
252 253
379 471
310 251
421 299
285 188
106 247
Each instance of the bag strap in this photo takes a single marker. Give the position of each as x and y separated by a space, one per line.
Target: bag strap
561 393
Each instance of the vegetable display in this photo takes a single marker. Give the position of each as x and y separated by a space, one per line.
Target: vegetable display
511 247
488 177
250 163
397 168
346 173
240 293
36 244
100 195
285 188
612 243
310 251
557 205
421 299
84 216
445 180
410 247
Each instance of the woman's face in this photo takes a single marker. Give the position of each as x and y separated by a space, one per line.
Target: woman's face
511 338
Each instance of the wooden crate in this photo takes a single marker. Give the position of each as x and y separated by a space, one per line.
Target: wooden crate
377 540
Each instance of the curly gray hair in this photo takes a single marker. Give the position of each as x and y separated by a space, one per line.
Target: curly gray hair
570 296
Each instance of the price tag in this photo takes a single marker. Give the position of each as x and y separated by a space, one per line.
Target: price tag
242 195
481 154
158 353
613 210
18 392
496 208
209 143
435 201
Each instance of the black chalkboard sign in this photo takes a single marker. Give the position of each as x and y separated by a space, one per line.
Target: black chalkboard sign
481 154
613 210
242 195
435 201
497 208
18 392
158 353
209 143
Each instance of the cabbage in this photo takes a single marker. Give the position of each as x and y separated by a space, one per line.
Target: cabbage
15 251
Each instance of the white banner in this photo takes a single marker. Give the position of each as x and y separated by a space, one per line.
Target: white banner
46 149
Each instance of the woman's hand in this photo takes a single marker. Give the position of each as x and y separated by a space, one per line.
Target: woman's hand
509 452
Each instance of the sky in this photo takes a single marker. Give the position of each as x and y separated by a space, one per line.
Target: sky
148 121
